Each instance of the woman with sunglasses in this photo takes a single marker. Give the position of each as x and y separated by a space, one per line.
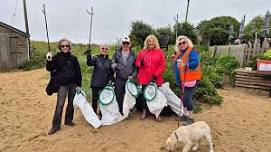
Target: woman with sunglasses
151 64
68 78
188 72
123 64
102 74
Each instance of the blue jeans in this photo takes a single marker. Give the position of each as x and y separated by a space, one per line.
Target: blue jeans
187 98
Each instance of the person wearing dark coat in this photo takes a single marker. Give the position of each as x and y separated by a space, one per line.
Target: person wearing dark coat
123 63
102 73
68 79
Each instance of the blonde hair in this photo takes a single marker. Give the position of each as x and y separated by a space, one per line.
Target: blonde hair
146 45
64 40
179 38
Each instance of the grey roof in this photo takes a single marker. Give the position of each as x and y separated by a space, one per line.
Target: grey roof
14 29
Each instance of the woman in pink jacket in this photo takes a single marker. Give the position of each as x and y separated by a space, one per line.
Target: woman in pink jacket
151 64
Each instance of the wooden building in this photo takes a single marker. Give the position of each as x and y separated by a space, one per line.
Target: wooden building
14 48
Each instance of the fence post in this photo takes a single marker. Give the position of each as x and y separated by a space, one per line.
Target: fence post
215 49
229 48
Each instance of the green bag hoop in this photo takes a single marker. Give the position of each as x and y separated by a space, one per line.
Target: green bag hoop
132 87
150 91
107 95
81 92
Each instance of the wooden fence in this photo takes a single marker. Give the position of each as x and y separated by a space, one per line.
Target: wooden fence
243 52
237 51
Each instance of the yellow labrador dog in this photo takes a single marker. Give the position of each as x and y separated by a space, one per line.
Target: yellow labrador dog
189 137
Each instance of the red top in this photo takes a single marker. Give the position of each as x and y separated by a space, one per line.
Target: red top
154 65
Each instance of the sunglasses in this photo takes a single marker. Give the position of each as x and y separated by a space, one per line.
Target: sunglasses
182 43
104 48
64 46
125 43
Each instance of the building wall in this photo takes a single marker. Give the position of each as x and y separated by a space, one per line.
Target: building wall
4 46
16 48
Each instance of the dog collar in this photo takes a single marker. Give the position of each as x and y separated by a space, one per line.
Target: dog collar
176 136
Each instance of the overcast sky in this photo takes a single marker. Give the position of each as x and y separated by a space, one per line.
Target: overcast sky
112 19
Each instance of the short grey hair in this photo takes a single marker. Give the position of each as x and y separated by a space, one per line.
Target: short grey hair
64 40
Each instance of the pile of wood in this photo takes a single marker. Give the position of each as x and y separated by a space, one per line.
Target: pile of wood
253 79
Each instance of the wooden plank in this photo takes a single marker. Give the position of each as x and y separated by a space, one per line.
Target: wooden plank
253 80
263 72
4 47
252 77
252 86
264 77
254 83
3 30
252 72
259 74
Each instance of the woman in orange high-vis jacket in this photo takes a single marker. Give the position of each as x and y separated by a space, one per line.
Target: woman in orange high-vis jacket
151 64
188 72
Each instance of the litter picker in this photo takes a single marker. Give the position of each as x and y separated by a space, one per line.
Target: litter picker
91 13
46 25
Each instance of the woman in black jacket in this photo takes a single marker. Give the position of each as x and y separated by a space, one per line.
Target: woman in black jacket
102 73
68 79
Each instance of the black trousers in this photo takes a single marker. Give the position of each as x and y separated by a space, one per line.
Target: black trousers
62 93
120 91
95 97
141 103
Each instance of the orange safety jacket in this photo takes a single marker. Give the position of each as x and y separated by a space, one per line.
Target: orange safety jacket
187 74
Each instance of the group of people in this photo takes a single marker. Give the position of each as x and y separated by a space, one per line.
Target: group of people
145 67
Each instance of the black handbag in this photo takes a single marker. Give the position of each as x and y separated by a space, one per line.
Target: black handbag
52 87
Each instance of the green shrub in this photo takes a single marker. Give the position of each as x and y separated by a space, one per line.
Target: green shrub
253 62
267 55
227 66
169 75
206 92
214 74
37 60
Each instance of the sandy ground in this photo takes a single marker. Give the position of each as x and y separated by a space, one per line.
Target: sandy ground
241 124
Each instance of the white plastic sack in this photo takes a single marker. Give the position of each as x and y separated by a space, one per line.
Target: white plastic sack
80 102
110 112
157 104
129 102
173 101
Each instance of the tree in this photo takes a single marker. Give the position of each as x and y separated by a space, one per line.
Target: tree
187 30
165 32
258 21
139 32
216 29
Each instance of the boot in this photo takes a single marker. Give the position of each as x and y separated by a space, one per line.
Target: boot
143 115
70 123
53 130
159 119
